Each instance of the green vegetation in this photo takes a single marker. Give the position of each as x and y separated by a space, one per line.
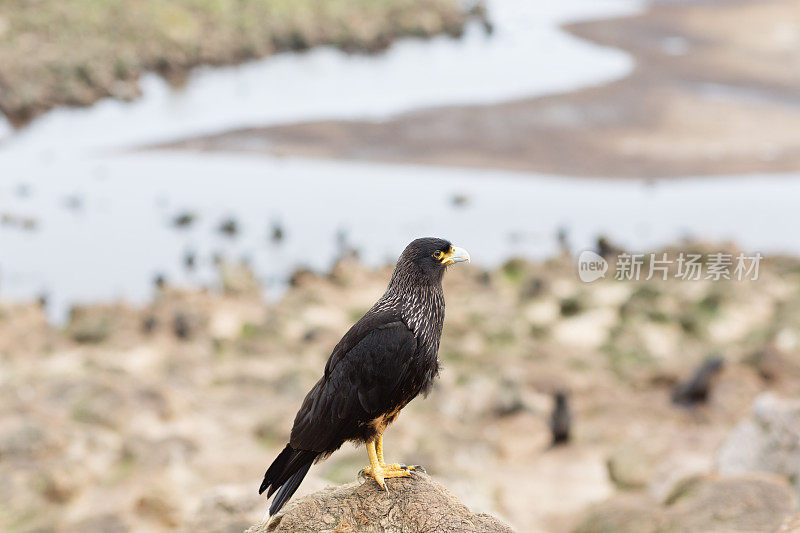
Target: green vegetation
249 330
514 270
56 52
539 332
626 362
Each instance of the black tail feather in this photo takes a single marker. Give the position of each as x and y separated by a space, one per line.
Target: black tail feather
285 475
276 468
297 460
288 489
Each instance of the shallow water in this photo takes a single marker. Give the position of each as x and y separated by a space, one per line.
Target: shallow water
103 215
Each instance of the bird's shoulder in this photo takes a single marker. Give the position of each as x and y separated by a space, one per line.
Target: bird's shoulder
388 325
361 378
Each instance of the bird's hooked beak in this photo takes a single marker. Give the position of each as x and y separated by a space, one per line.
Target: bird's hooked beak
455 255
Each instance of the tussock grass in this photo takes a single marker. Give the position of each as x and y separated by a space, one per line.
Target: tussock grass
72 52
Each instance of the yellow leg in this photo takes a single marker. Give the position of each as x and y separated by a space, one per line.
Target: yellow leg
393 466
375 468
378 470
379 448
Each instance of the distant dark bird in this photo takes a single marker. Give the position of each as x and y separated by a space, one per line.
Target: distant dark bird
276 235
383 362
149 324
560 418
182 326
183 220
189 259
229 227
696 389
160 281
606 248
562 236
459 200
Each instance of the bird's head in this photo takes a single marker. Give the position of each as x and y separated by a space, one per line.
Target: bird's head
425 260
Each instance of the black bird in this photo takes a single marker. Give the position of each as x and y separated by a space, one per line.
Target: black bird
383 362
229 227
150 323
277 232
189 259
606 248
182 325
183 220
696 389
560 418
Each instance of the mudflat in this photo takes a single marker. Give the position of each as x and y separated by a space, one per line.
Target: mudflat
715 90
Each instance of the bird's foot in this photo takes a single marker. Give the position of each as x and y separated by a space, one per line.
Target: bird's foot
382 472
402 467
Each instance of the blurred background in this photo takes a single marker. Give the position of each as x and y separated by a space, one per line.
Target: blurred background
198 197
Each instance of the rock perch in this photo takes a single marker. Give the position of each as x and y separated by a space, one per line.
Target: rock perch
417 504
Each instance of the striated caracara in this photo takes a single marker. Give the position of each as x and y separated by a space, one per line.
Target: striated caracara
383 362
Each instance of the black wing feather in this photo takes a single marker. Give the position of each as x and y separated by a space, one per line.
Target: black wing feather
357 332
369 379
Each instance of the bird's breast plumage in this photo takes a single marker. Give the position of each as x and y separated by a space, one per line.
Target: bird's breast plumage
421 308
423 311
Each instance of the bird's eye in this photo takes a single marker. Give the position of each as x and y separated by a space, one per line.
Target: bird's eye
438 254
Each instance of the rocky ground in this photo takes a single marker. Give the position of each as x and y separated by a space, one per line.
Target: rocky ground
165 417
715 90
74 52
410 505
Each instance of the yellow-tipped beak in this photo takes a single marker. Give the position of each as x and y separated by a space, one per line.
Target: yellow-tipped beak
456 255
